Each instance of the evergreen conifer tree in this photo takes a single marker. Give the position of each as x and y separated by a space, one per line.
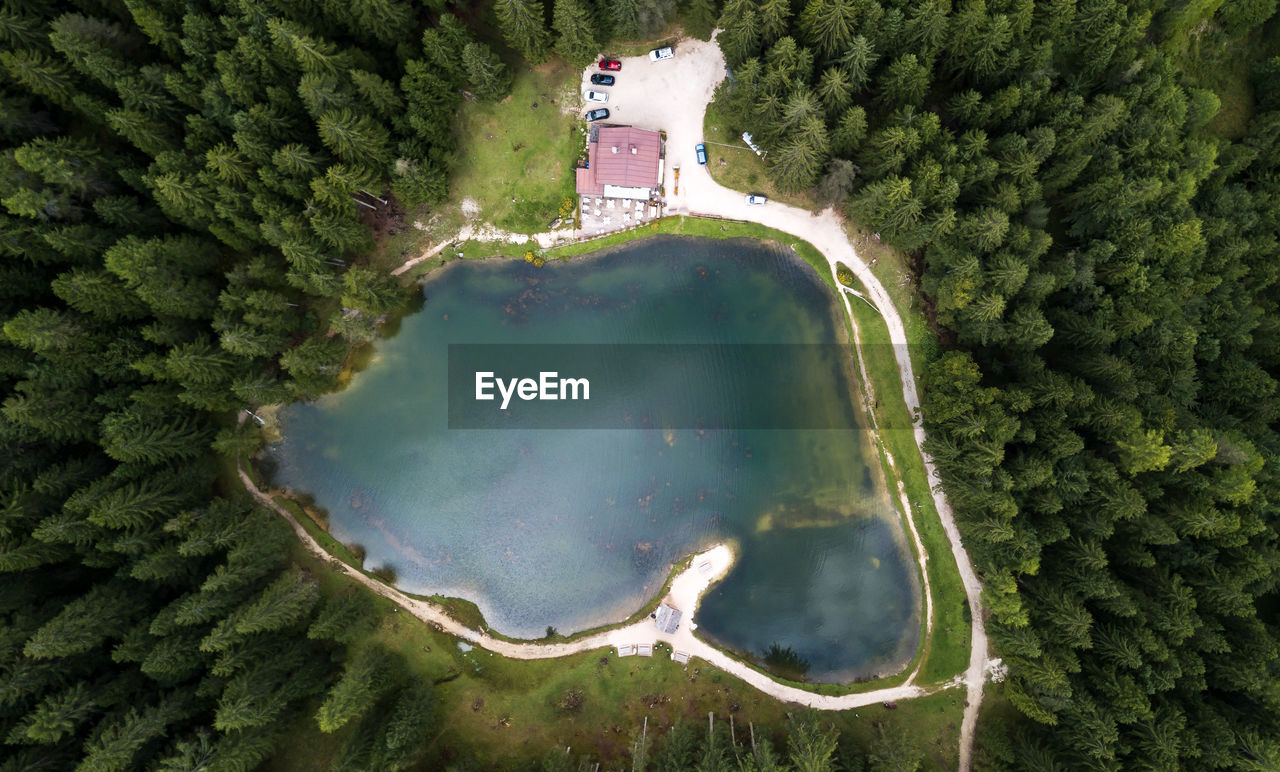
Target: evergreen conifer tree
524 28
575 35
486 74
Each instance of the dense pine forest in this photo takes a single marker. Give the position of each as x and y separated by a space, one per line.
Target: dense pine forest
183 185
188 192
1102 272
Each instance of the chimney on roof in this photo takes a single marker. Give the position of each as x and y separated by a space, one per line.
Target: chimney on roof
615 148
633 150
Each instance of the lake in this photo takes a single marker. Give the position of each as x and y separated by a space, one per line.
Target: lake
573 521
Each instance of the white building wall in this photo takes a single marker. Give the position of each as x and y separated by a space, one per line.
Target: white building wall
635 194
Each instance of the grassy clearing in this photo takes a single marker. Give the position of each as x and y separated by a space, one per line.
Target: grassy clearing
1225 72
460 609
409 242
517 156
738 168
508 713
669 36
467 250
302 746
515 161
892 268
1213 60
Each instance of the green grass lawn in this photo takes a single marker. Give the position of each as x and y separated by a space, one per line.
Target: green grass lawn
516 157
409 242
994 721
668 36
1225 73
737 167
893 270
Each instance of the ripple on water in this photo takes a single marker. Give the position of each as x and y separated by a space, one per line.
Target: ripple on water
575 528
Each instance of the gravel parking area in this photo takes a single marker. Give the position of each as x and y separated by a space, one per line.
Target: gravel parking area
668 96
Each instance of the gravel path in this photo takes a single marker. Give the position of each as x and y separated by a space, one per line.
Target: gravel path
471 231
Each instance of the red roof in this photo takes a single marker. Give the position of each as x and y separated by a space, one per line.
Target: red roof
622 156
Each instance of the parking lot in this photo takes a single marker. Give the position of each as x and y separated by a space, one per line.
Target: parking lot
665 96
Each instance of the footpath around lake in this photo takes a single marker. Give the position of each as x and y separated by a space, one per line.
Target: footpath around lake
672 96
684 592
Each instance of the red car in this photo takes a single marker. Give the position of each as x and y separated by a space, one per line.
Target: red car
612 65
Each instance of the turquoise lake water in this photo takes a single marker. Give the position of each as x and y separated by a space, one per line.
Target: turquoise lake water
574 528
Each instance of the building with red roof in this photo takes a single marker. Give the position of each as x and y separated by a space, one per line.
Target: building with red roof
622 162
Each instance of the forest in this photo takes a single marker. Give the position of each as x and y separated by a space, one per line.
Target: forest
1101 273
189 192
183 186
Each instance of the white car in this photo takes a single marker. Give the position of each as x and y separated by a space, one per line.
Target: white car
756 199
595 96
658 54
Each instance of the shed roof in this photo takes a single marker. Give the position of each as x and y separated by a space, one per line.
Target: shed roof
668 618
